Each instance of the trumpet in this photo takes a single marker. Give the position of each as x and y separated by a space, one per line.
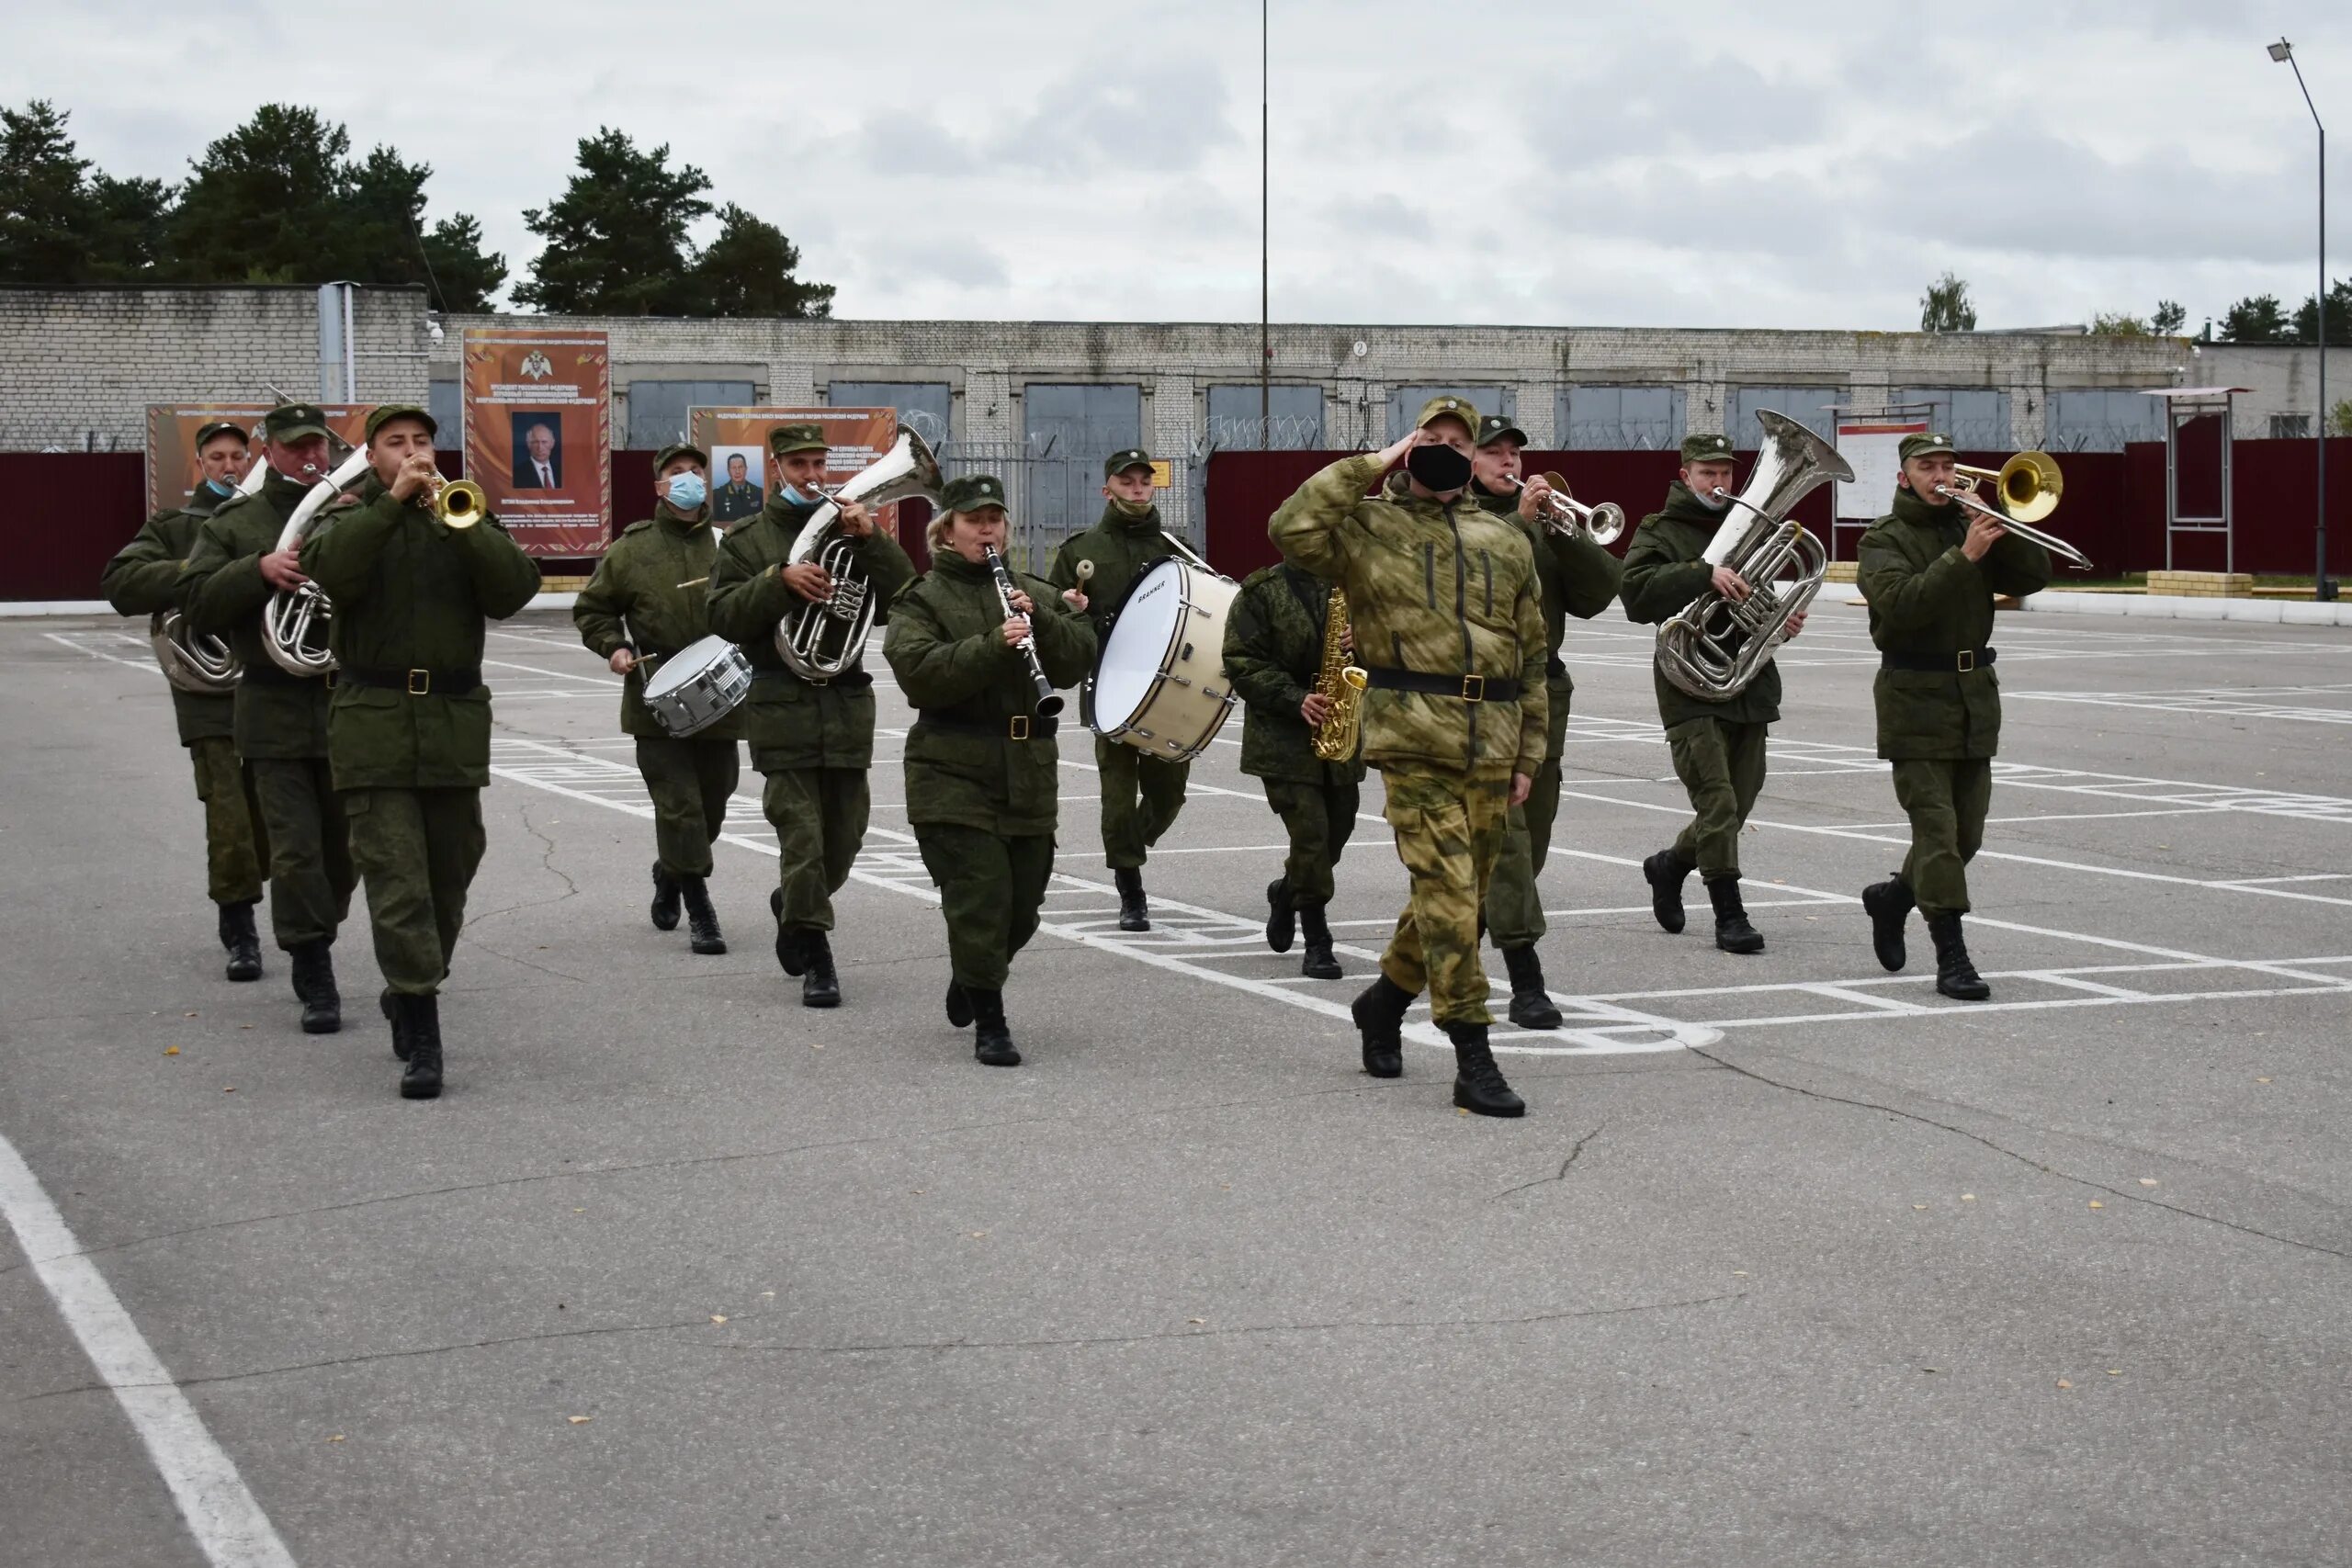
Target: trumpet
1563 513
459 503
2029 485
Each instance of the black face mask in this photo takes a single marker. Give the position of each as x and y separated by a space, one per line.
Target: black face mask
1438 466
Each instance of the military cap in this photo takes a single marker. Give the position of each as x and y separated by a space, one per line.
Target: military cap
1925 445
218 427
293 422
1705 449
1494 427
970 492
1120 462
663 458
384 414
787 439
1445 405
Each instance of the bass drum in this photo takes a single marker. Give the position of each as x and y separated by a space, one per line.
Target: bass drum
1158 684
698 686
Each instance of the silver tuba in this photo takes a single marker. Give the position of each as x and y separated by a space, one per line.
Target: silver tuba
294 625
1713 647
826 637
205 666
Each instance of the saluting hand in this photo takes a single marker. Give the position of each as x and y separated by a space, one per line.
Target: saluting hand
282 569
808 580
1015 631
1730 584
1393 453
1983 535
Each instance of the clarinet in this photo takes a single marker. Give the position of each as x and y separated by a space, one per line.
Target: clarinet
1048 701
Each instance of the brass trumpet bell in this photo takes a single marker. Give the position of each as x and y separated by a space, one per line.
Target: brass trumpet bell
2029 484
461 504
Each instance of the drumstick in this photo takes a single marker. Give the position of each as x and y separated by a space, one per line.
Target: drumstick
693 582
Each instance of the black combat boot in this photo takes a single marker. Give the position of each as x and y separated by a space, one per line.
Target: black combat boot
1478 1086
1530 1007
1379 1013
1733 933
1888 904
1665 871
1955 975
389 1004
702 920
959 1004
991 1042
1282 920
791 947
665 900
821 988
241 943
422 1078
1135 915
1318 964
314 984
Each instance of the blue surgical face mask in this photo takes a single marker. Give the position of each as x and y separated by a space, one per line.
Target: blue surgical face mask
799 497
687 491
220 486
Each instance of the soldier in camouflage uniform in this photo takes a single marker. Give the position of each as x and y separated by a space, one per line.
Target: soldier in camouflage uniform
1141 795
1718 747
145 577
1273 656
280 720
410 727
646 602
1579 579
1449 627
1929 569
982 766
812 740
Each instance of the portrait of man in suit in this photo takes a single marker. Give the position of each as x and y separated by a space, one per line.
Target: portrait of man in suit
539 452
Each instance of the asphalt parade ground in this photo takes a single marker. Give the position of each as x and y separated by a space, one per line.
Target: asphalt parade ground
1791 1261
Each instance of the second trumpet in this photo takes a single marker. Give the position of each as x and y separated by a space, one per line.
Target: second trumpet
1603 523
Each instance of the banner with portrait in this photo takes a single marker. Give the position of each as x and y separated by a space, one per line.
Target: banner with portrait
173 469
737 441
539 437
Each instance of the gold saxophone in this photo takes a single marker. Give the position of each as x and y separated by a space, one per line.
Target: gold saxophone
1341 684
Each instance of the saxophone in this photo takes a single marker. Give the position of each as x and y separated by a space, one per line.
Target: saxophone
1343 684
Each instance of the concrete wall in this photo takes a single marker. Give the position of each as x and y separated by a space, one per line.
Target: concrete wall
2279 380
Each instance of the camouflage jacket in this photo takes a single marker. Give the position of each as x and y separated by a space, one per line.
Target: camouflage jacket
1273 654
146 576
1664 573
277 715
1439 588
1121 548
651 594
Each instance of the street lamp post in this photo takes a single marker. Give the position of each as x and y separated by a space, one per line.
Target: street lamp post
2284 52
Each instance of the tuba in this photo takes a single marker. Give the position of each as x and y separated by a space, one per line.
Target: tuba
1342 683
826 637
294 625
1713 647
192 662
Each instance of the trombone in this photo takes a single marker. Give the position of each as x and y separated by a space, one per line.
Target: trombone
1566 514
2029 485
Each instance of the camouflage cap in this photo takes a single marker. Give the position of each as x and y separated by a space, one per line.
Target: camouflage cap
1716 448
1495 427
1445 405
661 460
383 415
1120 462
787 439
294 422
970 492
217 428
1923 445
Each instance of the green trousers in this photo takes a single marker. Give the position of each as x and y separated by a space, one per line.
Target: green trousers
819 814
1141 796
1319 818
691 782
1514 904
1946 801
1721 767
236 850
1449 829
990 889
419 850
311 875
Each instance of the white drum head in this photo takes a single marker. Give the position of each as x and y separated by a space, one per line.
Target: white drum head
685 664
1137 646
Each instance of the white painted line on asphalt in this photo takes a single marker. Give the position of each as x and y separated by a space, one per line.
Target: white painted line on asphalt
82 642
221 1513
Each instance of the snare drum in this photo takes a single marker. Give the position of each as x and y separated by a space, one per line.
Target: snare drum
698 686
1158 684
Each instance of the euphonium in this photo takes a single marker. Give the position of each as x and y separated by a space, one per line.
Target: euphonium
826 637
294 625
1341 685
203 665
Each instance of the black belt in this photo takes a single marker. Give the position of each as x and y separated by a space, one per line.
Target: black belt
267 671
1959 663
1469 688
1020 727
851 678
415 682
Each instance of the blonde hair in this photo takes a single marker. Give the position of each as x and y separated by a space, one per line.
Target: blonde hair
935 534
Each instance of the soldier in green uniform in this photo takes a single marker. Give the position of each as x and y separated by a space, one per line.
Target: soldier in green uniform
1141 796
646 602
410 727
1274 657
982 766
1718 747
280 720
812 740
1579 579
737 499
1929 569
145 577
1449 627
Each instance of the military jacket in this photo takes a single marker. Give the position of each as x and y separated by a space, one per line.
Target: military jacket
945 645
793 723
277 715
146 576
1663 574
1120 546
1929 600
652 593
1273 654
1443 588
412 593
731 502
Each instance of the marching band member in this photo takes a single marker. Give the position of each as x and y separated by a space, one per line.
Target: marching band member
1929 569
1579 579
811 740
145 577
646 601
280 718
409 731
981 763
1141 796
1449 627
1718 747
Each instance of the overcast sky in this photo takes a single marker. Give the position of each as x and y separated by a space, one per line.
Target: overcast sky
1695 164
